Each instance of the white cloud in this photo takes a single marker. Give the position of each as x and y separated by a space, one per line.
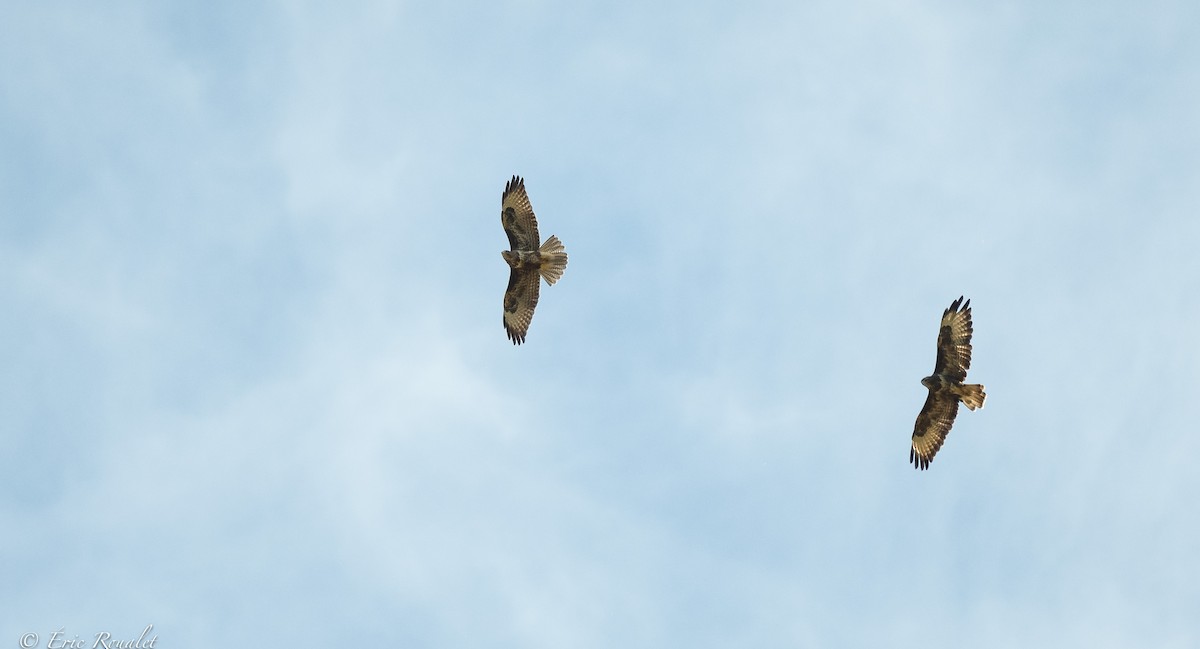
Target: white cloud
271 389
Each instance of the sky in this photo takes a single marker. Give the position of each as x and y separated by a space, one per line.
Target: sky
254 387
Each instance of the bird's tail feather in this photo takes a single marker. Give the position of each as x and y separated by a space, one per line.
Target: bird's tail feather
554 259
972 395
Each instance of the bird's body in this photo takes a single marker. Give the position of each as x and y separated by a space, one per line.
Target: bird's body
528 259
523 259
945 385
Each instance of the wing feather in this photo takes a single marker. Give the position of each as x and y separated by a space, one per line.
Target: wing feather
932 427
520 299
954 342
516 215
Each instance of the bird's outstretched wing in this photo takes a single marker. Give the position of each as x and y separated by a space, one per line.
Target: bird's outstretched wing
516 215
954 342
520 299
932 427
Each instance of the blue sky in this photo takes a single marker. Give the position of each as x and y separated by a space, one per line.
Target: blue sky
254 385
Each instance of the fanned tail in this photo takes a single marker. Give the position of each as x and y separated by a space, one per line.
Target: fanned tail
554 260
972 395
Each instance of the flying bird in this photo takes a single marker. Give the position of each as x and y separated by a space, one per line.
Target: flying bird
527 260
946 387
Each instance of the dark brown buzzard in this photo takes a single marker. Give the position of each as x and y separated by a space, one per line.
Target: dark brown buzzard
946 387
527 260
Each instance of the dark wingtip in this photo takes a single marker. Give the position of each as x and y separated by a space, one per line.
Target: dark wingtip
955 306
515 337
512 185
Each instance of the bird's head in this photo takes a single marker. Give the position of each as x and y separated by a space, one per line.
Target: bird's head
511 257
929 382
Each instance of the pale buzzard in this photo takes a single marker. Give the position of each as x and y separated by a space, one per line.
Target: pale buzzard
946 388
527 259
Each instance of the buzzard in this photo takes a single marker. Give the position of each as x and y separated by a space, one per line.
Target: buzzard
946 387
527 260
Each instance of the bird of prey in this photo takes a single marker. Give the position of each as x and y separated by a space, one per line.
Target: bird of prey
527 260
946 387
